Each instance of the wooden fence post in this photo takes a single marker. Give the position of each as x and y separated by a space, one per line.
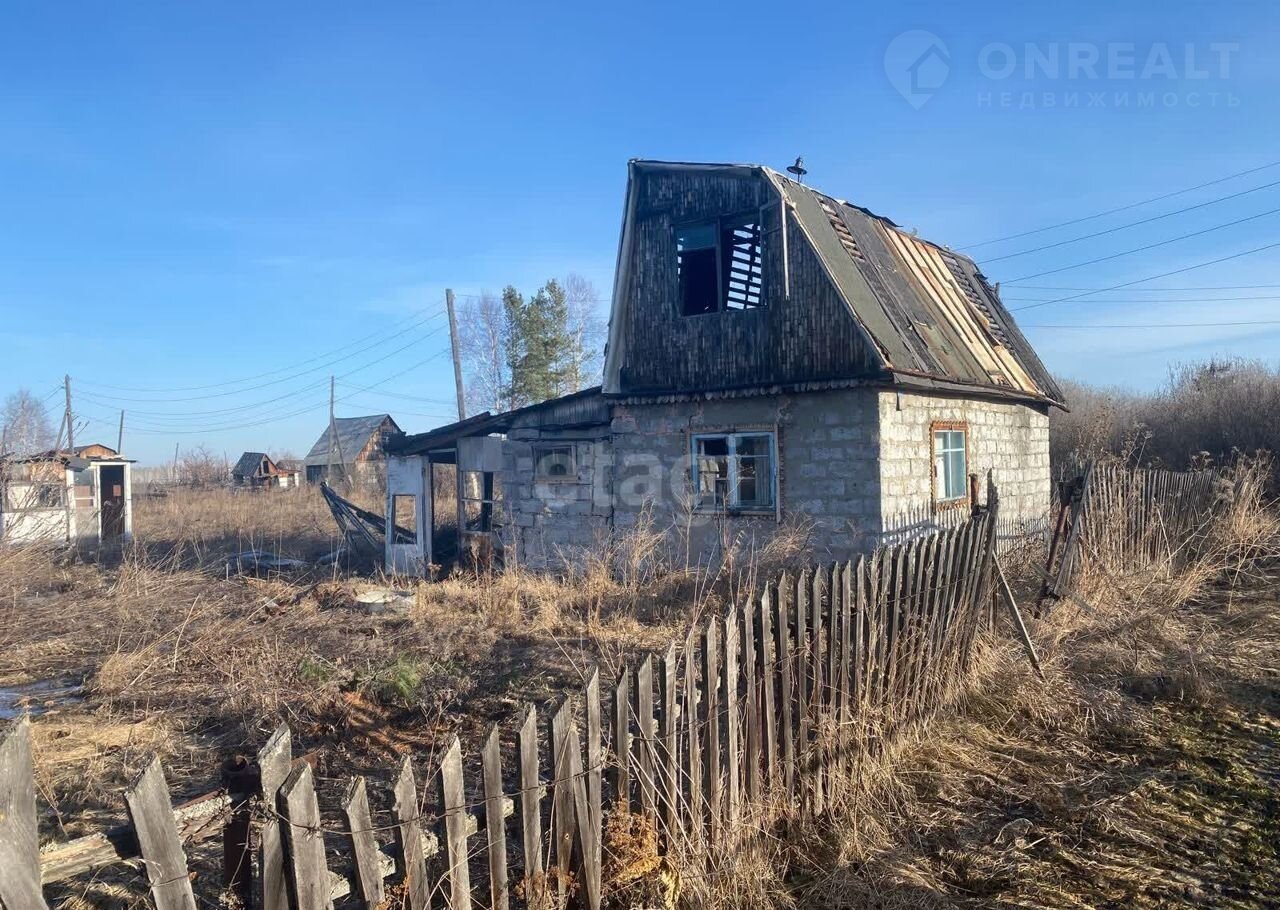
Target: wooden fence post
669 753
151 813
453 798
622 738
766 660
495 826
711 716
19 841
733 744
304 840
646 741
364 848
409 838
273 768
750 682
693 752
530 809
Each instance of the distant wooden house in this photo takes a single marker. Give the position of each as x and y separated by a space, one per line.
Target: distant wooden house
775 355
357 452
257 469
71 496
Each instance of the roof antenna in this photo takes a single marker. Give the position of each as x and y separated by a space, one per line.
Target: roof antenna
798 169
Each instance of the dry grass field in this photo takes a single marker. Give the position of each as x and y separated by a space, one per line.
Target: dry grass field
1143 772
163 650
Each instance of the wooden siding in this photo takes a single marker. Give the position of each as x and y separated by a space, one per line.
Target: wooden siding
811 336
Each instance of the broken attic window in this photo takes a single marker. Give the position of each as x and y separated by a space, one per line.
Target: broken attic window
719 265
740 261
554 463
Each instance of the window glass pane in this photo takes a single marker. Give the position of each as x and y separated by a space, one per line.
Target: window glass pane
755 471
712 467
696 269
555 463
696 237
955 474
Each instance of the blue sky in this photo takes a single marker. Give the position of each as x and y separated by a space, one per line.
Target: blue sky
199 194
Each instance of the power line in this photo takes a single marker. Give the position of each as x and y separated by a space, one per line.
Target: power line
1221 287
1122 208
321 367
1125 284
1123 227
1151 325
1139 300
162 415
1149 246
275 418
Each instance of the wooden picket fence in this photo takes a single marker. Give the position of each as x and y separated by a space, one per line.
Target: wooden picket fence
1126 519
758 714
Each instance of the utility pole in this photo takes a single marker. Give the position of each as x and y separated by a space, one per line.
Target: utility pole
120 435
457 357
71 438
333 433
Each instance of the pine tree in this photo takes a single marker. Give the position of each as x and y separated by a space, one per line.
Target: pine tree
540 352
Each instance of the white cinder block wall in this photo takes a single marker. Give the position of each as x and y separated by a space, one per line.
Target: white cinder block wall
1010 439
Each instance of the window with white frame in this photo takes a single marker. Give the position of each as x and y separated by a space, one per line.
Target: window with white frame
950 468
735 472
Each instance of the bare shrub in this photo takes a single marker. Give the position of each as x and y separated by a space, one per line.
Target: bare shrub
1205 413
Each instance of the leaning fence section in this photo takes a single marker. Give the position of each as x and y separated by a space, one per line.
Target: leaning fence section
1125 519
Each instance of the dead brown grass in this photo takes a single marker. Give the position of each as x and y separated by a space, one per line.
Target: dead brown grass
1142 773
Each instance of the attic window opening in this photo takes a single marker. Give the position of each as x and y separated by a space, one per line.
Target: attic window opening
719 265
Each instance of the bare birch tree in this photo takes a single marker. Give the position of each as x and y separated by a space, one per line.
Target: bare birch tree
586 330
25 425
484 336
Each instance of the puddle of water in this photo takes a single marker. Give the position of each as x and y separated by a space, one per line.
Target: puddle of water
38 697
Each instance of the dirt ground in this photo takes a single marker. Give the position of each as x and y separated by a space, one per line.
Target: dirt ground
1143 773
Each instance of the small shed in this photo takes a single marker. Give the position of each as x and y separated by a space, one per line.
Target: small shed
257 469
82 495
357 450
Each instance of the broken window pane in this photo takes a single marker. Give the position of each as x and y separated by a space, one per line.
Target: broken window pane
735 471
696 268
555 463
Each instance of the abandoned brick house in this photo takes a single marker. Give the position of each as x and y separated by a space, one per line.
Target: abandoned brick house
357 450
774 355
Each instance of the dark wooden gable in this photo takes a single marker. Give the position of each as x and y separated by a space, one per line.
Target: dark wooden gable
809 335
